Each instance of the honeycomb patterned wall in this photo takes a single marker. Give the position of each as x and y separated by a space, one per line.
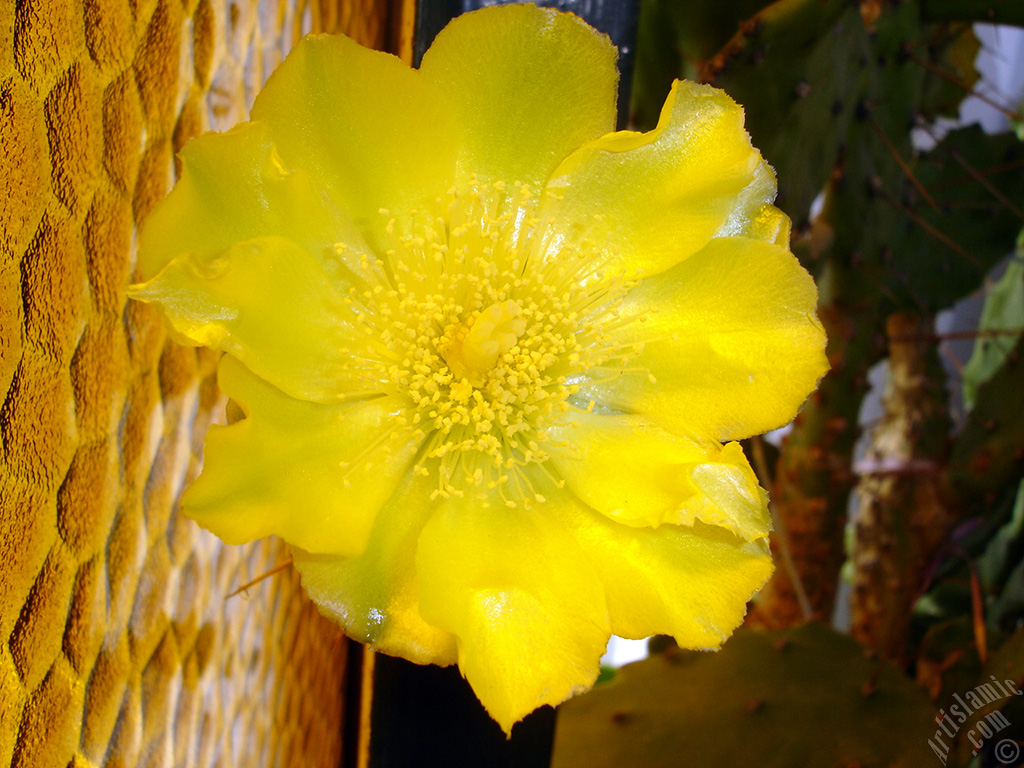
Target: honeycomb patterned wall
117 645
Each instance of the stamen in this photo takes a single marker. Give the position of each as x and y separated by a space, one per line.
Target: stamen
486 322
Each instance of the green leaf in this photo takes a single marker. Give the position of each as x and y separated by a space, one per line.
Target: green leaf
1003 551
1003 311
1001 569
988 455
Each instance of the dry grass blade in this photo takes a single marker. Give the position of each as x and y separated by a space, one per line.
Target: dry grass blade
275 570
761 468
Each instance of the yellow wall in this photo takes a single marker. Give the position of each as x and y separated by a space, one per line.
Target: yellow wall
117 646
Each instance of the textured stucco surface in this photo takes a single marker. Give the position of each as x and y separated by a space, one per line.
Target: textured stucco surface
117 646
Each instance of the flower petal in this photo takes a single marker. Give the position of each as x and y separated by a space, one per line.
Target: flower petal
364 124
730 338
313 474
275 307
651 200
753 215
234 187
527 84
640 474
374 596
519 594
692 582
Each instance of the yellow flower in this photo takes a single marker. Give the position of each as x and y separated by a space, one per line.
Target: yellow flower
489 350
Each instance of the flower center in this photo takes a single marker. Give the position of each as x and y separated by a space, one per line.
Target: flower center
485 327
475 348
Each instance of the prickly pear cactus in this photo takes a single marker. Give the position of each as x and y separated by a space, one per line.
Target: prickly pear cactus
806 697
798 69
941 248
1003 715
833 92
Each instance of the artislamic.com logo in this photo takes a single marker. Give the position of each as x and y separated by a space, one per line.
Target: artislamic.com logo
1007 751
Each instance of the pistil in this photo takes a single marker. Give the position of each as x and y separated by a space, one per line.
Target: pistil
475 347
